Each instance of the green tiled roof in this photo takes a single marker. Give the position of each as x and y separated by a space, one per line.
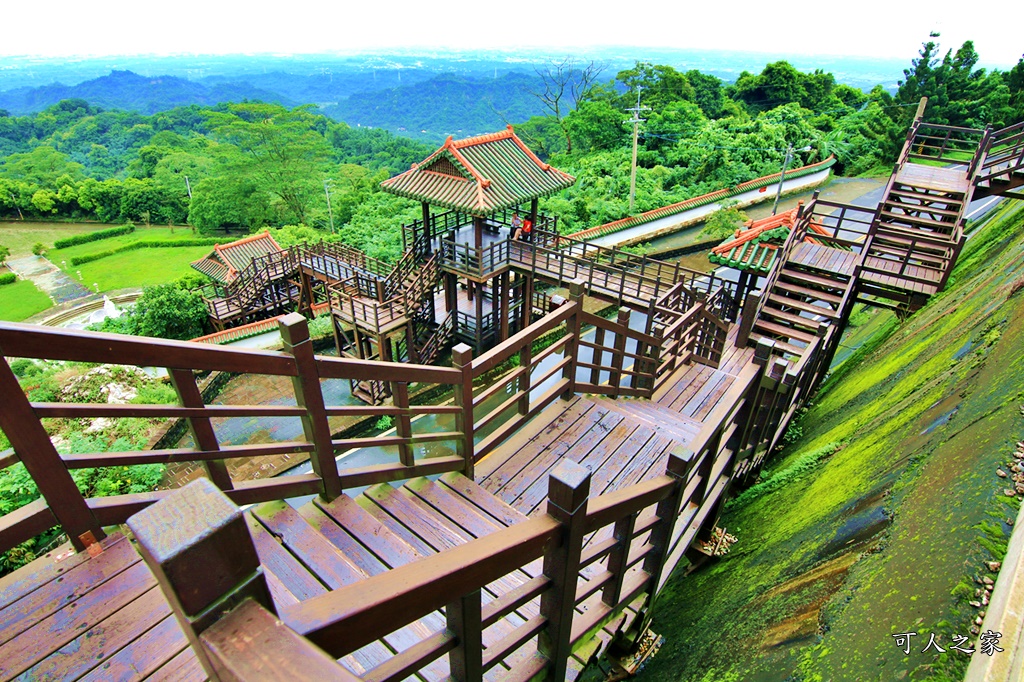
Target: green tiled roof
224 262
480 175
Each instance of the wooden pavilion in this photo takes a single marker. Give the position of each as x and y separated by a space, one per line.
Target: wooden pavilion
226 260
478 183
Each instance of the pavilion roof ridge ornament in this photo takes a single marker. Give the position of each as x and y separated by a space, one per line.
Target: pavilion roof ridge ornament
502 173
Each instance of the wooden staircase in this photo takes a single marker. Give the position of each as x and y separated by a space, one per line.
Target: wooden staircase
323 546
804 294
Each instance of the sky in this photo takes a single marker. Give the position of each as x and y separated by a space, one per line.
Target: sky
867 28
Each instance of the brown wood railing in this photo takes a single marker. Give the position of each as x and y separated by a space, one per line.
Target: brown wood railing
1004 154
63 505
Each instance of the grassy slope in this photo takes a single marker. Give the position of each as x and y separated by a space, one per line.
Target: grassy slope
139 268
20 236
151 233
21 300
885 536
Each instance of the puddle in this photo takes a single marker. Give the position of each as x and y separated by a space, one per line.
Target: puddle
964 350
941 420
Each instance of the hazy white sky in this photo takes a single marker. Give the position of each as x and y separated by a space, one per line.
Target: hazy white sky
883 28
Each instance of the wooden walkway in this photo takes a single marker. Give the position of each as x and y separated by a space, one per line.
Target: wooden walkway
105 617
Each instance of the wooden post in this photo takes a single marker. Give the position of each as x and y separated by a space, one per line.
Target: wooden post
568 490
479 317
427 236
184 382
403 424
572 326
527 289
748 316
504 307
197 544
478 235
533 213
32 444
618 355
595 371
308 395
525 360
464 621
680 467
462 360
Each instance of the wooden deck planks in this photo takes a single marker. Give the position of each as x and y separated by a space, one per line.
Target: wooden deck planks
953 180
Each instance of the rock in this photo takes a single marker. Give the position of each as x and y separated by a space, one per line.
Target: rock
979 620
993 565
988 581
984 600
975 604
978 580
1009 521
977 592
974 630
982 613
1009 493
1019 488
1000 473
1018 467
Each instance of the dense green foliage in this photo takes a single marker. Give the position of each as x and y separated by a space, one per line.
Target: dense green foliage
93 236
7 278
251 165
169 311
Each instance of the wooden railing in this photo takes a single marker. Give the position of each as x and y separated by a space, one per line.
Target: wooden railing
1004 155
941 144
63 505
519 406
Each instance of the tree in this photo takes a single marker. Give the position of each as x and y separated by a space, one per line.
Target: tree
565 83
277 150
169 312
724 222
5 253
662 85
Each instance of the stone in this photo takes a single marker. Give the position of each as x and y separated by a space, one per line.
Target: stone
984 600
1009 492
974 630
979 620
982 613
988 581
975 604
993 565
1000 473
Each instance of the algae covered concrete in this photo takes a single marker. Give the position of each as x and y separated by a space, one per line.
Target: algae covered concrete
880 516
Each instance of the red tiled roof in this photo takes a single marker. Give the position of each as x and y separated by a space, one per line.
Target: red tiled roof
224 262
480 175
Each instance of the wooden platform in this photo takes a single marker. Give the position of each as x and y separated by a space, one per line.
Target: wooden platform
952 180
70 617
825 258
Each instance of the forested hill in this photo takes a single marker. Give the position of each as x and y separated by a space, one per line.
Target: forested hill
132 92
444 105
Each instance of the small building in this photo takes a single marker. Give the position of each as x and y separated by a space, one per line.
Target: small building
226 260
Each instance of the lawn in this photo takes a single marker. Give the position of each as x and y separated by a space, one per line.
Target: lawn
20 236
22 300
160 233
138 268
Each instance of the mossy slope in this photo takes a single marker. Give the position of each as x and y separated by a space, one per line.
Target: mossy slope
884 535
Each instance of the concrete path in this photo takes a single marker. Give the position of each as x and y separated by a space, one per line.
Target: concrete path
48 278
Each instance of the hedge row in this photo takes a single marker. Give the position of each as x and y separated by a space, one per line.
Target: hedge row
8 278
141 244
77 239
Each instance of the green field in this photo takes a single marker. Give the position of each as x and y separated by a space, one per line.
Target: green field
152 233
20 236
21 300
138 268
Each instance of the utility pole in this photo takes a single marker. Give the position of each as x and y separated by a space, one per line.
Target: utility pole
188 188
782 175
636 121
330 213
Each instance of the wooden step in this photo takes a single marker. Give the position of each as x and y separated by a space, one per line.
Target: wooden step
923 208
808 278
888 216
781 345
783 331
653 414
779 299
792 319
810 293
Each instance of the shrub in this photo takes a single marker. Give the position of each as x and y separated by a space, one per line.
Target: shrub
7 278
87 237
141 244
23 367
39 248
385 422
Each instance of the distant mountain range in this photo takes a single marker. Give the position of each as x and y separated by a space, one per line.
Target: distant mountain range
127 90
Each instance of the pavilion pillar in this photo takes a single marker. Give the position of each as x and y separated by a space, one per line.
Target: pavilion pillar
503 310
741 287
451 292
478 232
426 228
479 317
533 213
